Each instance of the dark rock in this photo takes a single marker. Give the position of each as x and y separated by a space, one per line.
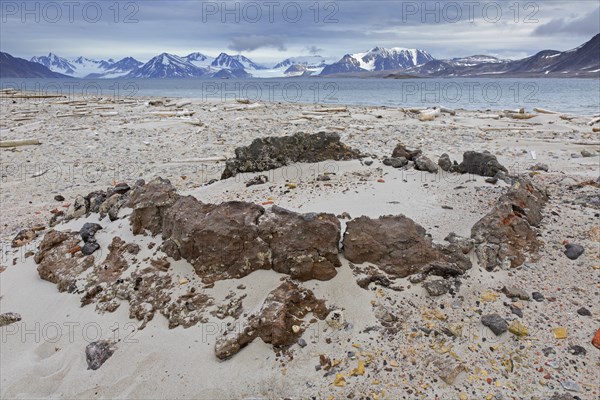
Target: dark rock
301 342
79 208
514 292
437 287
90 247
305 246
59 197
506 233
445 163
395 162
96 354
95 200
368 163
274 152
111 206
484 164
423 163
257 180
149 202
496 323
577 350
323 178
400 247
88 231
402 151
562 396
584 312
548 351
491 181
516 310
120 188
573 251
537 296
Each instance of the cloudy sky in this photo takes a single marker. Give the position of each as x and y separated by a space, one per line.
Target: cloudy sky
269 30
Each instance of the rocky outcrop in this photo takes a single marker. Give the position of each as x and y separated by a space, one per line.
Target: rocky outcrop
507 233
59 261
149 202
304 246
220 241
402 151
279 321
400 247
234 239
484 164
275 152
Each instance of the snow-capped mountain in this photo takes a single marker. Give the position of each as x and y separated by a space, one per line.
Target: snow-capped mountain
226 61
380 59
14 67
168 65
308 61
82 67
55 63
199 59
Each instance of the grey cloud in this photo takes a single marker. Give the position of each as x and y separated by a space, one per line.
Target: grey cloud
588 25
314 49
253 42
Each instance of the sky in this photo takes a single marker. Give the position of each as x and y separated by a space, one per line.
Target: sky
268 31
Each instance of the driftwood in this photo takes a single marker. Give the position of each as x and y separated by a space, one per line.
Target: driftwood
595 130
567 118
329 110
447 110
19 142
184 113
244 107
522 116
243 101
543 111
594 121
199 160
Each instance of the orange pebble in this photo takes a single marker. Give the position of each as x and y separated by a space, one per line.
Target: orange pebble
596 339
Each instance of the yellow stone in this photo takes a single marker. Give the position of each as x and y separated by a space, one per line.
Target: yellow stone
360 370
560 333
183 281
489 296
339 380
291 185
518 329
463 396
394 363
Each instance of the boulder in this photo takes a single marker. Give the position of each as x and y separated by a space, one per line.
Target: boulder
220 241
423 163
400 247
274 152
96 354
484 164
149 202
395 162
445 163
403 151
304 246
506 233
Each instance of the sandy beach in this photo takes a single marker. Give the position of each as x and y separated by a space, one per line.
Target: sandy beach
395 341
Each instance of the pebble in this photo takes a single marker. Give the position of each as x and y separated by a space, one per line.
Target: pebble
596 339
496 323
518 329
368 163
577 350
570 386
301 342
587 153
540 167
560 332
517 311
584 311
436 288
512 292
573 251
537 296
59 197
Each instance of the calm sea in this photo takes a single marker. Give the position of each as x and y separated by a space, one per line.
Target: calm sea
577 96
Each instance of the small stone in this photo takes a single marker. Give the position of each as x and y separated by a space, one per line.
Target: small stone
492 180
496 323
24 237
257 180
9 318
518 329
90 247
295 328
335 319
584 312
395 162
301 342
88 231
587 153
570 386
548 351
577 350
563 396
513 292
445 163
323 178
537 296
560 332
416 278
96 353
540 167
59 197
423 163
573 251
368 163
437 287
516 310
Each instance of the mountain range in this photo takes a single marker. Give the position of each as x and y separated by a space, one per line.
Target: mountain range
583 61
